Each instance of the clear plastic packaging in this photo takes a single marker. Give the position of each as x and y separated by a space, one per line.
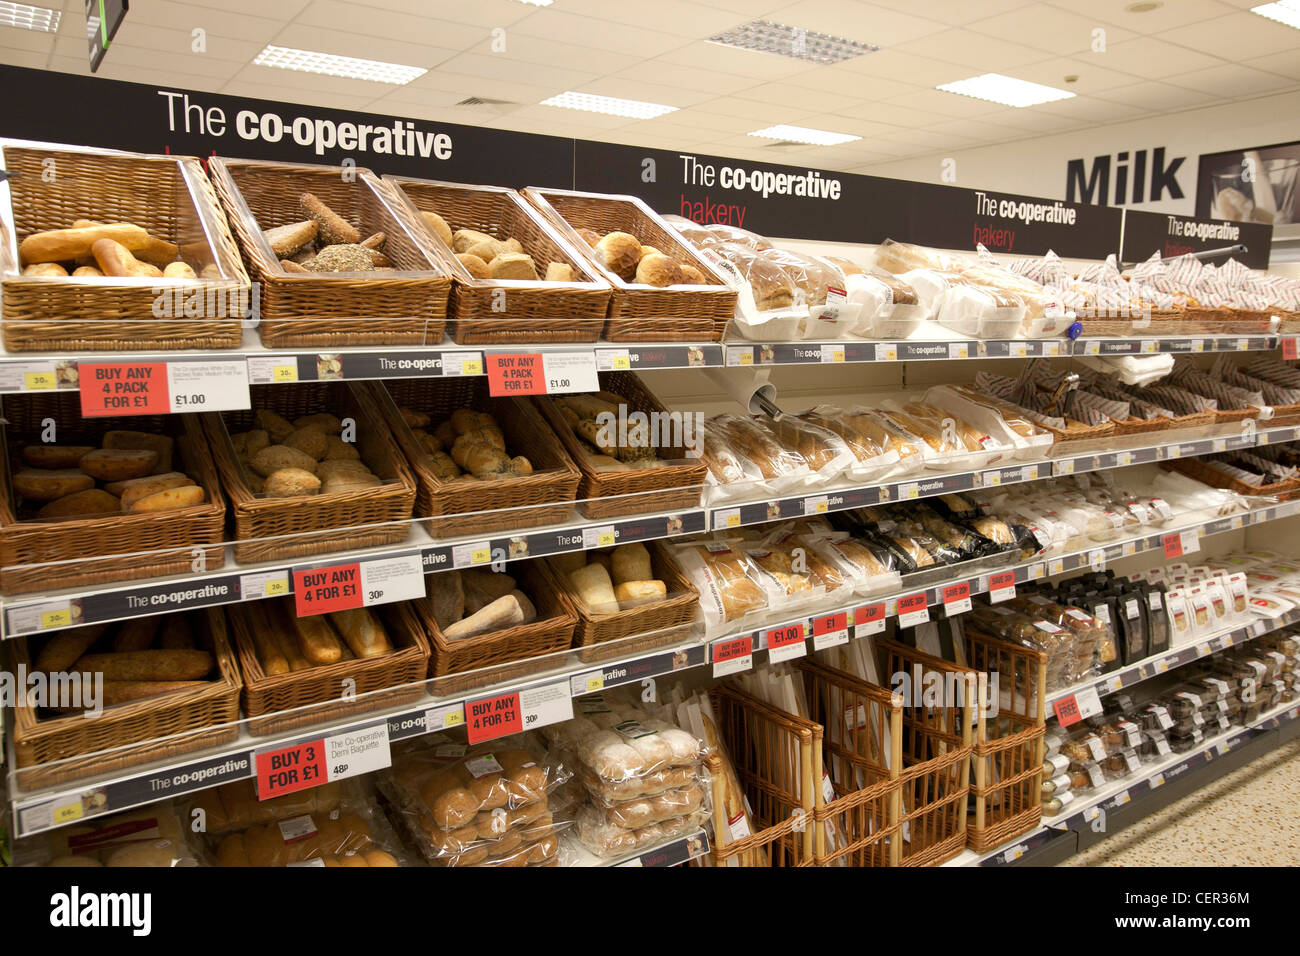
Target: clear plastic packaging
889 308
150 836
868 442
981 313
731 587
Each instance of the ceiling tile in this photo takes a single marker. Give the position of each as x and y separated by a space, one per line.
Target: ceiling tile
190 64
1232 80
1283 64
866 128
864 22
1087 108
711 122
836 79
677 17
476 64
906 67
285 10
975 50
748 8
764 114
33 41
1153 58
405 27
1091 70
691 78
948 104
936 138
303 84
629 86
303 37
726 59
905 117
480 13
977 130
168 40
554 24
1048 28
1035 120
1157 97
787 95
526 49
582 118
489 87
955 12
32 59
1171 14
1238 37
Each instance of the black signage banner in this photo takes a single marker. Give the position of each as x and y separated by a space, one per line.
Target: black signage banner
1148 232
787 201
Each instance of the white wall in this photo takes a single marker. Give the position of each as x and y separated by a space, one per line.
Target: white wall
1037 167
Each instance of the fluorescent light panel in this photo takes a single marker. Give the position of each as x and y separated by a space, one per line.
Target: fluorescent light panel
635 109
1007 90
802 134
764 36
26 17
1284 11
328 64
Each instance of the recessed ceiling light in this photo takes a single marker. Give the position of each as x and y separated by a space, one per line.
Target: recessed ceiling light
764 36
1284 11
1144 6
30 18
328 64
1006 90
636 109
801 134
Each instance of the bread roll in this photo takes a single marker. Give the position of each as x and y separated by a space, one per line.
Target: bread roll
93 501
317 640
274 424
513 265
288 239
63 649
179 270
60 245
483 587
290 483
114 259
118 464
475 266
309 440
465 239
634 593
48 485
83 272
560 272
631 562
331 227
438 226
45 270
133 489
589 236
185 496
275 457
620 253
502 613
594 587
692 275
363 632
658 270
146 441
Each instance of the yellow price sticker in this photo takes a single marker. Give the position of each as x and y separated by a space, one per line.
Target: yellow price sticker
284 373
1057 567
733 521
57 618
595 683
623 363
453 718
822 507
67 813
276 588
605 540
746 358
37 381
473 367
480 556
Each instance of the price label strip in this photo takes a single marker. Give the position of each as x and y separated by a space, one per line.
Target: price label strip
160 388
869 620
786 643
542 373
488 718
310 764
342 587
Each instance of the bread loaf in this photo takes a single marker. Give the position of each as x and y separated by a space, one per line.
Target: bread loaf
62 650
512 265
93 501
288 239
118 464
135 635
331 227
317 640
143 441
362 631
170 499
504 612
594 587
148 665
438 225
631 562
133 489
47 485
634 593
474 265
61 245
483 587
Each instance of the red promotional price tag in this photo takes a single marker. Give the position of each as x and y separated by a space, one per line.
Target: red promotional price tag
786 643
1067 711
731 650
294 768
1173 546
869 620
1289 350
516 375
1002 586
913 610
322 590
135 389
491 717
831 623
956 598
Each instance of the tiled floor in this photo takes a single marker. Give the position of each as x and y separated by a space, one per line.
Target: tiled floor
1249 818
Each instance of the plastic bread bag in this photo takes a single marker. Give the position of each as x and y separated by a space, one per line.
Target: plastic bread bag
889 308
955 444
769 306
981 312
604 839
730 587
234 806
729 476
930 286
149 836
820 286
670 805
865 439
825 452
897 257
939 550
782 467
721 232
1027 439
778 567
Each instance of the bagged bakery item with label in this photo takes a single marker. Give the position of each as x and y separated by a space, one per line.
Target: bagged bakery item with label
980 312
955 444
782 467
897 257
731 587
150 836
890 308
825 452
1000 420
730 476
353 834
769 306
820 287
875 451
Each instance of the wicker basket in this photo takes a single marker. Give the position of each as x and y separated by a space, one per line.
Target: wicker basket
167 195
863 742
58 749
676 486
1198 469
303 698
937 748
642 313
509 311
329 310
104 549
508 654
1245 321
273 529
1008 763
778 762
467 506
662 622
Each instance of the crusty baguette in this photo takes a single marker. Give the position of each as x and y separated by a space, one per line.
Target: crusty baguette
148 665
317 640
363 632
125 691
59 245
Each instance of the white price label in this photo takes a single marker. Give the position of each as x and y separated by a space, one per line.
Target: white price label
1243 345
208 386
1219 444
1159 779
816 506
913 618
1124 459
835 638
1191 541
832 353
886 352
469 555
264 584
726 519
1149 346
1055 568
1097 560
548 704
991 479
1198 345
32 376
1089 702
867 628
1115 684
1035 571
1017 349
1130 548
1202 650
357 752
602 537
909 491
384 580
733 666
1029 473
1051 349
455 364
1013 854
958 350
444 718
740 355
998 595
787 653
566 372
614 360
272 370
1063 467
39 617
1091 348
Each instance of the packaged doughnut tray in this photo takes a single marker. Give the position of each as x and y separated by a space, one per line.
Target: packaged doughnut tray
488 805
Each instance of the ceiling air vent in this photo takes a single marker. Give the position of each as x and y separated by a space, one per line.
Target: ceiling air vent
485 101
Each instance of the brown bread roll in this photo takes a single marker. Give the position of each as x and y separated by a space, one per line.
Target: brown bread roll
48 485
63 649
162 444
118 464
93 501
55 456
135 635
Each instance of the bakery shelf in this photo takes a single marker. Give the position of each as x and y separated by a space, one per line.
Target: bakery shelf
32 371
1121 793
